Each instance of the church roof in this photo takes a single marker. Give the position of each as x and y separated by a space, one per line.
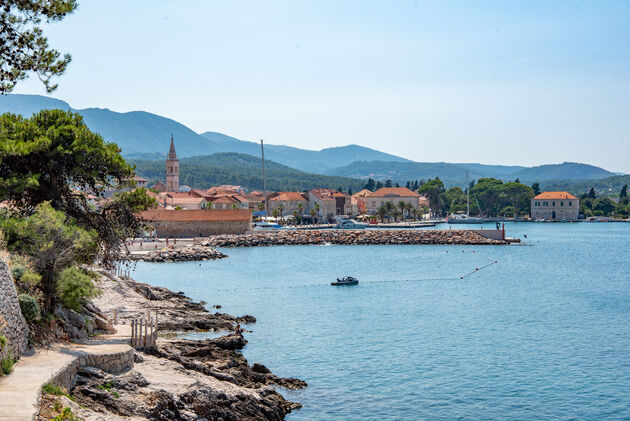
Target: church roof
172 155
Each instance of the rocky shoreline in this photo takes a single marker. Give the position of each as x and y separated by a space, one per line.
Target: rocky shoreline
183 254
351 237
177 379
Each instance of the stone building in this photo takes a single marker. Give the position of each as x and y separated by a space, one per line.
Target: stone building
197 223
331 203
375 200
290 201
555 206
172 169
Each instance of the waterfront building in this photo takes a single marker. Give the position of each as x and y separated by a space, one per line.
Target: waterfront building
331 203
290 202
391 194
197 223
225 202
555 206
359 205
172 169
140 182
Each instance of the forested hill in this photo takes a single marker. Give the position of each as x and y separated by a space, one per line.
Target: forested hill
453 174
609 186
244 170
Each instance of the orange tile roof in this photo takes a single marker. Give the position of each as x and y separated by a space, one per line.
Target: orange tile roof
555 195
287 196
394 192
197 215
362 193
225 200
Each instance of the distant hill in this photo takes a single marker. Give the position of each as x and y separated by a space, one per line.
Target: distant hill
139 133
564 171
609 186
244 170
135 132
304 159
455 174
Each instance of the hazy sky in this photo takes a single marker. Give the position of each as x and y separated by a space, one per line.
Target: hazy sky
526 82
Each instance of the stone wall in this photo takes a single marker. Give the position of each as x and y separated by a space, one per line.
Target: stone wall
12 323
110 363
184 229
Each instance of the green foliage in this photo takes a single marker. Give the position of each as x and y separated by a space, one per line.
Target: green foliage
51 388
52 241
18 271
3 341
66 415
53 157
604 206
6 365
25 49
433 190
244 170
29 307
31 278
75 287
138 200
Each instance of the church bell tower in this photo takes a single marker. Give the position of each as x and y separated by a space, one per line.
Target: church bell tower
172 169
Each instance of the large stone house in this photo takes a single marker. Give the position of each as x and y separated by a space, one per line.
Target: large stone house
289 200
375 200
197 223
331 203
555 206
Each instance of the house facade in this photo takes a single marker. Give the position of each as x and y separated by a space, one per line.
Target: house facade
555 206
330 203
290 202
376 199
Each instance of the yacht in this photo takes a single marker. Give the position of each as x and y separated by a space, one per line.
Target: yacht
266 226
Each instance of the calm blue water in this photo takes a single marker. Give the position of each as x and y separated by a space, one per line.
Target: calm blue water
545 333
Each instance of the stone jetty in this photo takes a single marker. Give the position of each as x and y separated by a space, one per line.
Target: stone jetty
351 237
183 254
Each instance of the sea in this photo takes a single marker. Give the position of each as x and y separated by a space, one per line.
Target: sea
539 330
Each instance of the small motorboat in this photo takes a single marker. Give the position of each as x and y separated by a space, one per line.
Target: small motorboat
346 280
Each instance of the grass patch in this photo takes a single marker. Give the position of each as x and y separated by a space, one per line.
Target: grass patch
66 415
51 388
6 365
108 388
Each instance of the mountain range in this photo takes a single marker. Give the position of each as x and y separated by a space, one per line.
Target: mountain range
146 136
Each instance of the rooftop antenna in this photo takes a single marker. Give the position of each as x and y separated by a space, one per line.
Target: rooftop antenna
262 152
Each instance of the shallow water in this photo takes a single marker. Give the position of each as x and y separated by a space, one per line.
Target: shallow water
544 333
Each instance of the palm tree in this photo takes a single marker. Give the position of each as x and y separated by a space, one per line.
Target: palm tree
313 213
414 212
295 216
410 208
317 208
396 214
281 208
275 213
402 205
382 212
389 207
301 211
261 206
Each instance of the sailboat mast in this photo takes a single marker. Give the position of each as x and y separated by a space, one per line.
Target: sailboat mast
467 195
262 152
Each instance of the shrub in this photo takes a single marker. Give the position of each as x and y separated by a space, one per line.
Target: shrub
31 278
29 307
18 271
7 364
75 287
66 415
3 342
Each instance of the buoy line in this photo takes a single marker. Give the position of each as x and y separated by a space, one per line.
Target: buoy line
491 262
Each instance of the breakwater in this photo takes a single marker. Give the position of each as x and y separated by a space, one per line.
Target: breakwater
184 254
351 237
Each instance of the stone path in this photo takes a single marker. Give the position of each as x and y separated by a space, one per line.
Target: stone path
20 391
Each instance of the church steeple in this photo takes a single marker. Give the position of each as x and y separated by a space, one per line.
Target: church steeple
172 169
172 155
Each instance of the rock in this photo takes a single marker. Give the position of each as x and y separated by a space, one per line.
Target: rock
259 368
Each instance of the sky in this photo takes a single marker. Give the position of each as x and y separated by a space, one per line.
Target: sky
515 83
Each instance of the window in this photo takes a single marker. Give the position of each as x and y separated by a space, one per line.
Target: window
561 203
553 203
570 203
545 203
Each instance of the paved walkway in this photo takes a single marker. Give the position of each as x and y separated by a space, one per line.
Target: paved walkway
19 392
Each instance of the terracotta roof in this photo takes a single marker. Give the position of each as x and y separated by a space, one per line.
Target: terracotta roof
555 195
362 193
394 192
138 178
197 215
189 199
225 199
180 195
287 196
